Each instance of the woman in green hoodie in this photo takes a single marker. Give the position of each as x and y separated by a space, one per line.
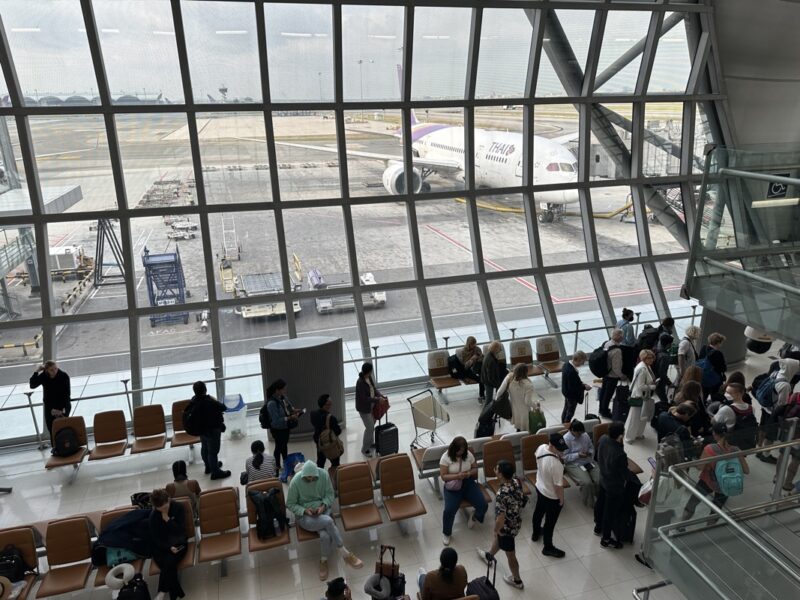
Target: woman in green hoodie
310 498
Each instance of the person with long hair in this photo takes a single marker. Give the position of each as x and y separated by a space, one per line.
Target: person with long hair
520 394
168 535
692 394
367 396
459 471
692 373
182 486
642 387
259 466
445 583
282 419
471 357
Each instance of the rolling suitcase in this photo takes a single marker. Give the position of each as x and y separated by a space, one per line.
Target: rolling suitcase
387 438
484 588
586 414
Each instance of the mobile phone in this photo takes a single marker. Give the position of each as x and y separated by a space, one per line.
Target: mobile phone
181 547
652 462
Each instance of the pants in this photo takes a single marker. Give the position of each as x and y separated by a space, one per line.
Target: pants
321 458
547 509
661 391
608 511
719 499
620 408
488 393
326 527
168 581
48 419
569 410
587 480
638 417
605 393
369 432
281 439
209 450
471 492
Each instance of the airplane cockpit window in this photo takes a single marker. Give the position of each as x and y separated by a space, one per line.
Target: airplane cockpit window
552 167
567 167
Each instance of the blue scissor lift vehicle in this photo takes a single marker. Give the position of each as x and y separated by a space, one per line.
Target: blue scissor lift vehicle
165 284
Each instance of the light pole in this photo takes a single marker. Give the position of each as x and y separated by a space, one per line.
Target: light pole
361 62
319 74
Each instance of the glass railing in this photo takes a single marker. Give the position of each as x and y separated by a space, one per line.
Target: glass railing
745 258
744 547
395 364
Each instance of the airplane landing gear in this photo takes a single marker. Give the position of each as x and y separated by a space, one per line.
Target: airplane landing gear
547 216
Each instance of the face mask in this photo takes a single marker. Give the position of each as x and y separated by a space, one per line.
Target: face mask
728 397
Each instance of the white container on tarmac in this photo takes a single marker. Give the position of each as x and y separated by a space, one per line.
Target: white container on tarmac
235 416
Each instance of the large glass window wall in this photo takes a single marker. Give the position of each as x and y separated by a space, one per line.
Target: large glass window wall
238 175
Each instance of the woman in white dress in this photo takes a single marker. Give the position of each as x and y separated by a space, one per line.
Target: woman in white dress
520 393
642 386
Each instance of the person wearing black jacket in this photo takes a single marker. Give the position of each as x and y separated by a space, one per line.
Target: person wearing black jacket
714 355
661 366
572 387
493 370
613 463
318 419
56 392
212 424
168 538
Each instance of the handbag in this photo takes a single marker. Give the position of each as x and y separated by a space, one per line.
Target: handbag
379 409
502 405
243 478
635 401
329 443
454 485
391 571
536 420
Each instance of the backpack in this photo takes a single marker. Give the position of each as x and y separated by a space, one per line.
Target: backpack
658 408
765 392
728 473
141 500
648 338
263 416
268 512
12 565
711 379
456 368
743 435
65 442
191 419
329 443
791 409
135 589
598 361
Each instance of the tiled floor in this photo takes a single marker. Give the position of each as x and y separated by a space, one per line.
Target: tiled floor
587 571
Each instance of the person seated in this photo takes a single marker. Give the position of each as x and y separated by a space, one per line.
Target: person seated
669 421
168 536
259 466
310 498
183 487
578 462
445 583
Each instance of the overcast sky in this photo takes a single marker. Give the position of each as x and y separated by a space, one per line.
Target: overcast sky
51 54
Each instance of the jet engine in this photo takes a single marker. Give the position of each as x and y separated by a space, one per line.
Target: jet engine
394 179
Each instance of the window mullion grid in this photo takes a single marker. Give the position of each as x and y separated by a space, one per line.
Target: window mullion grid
595 44
272 160
115 158
657 294
719 118
649 53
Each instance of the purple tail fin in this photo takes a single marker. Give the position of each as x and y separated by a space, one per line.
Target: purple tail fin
414 120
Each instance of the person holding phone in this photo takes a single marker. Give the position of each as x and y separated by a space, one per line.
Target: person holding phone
168 535
56 392
283 417
578 463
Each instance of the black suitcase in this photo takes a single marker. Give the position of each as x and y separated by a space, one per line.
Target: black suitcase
627 526
586 414
482 587
387 438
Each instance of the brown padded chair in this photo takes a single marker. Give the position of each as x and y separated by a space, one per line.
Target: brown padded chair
494 452
179 435
356 499
105 519
23 540
397 488
68 541
79 425
548 355
188 528
219 525
110 435
255 544
599 431
149 429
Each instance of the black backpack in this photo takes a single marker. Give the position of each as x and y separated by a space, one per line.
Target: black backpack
135 589
192 418
648 338
12 565
744 432
263 416
598 361
65 442
268 510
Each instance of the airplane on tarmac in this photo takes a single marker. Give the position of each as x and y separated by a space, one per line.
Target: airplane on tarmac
439 148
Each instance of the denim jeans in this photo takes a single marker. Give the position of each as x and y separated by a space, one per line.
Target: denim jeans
209 450
469 491
326 527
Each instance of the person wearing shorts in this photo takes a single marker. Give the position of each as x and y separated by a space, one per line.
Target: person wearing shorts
508 505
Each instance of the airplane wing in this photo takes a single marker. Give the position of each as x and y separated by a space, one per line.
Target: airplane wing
565 139
440 166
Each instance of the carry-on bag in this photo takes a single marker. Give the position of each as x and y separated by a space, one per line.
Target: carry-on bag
482 587
387 438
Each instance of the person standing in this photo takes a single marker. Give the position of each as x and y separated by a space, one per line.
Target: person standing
282 419
716 359
625 324
768 428
615 374
367 396
459 471
212 424
310 498
322 419
572 387
661 366
520 394
168 536
549 492
508 504
642 388
493 370
613 463
56 393
578 461
687 353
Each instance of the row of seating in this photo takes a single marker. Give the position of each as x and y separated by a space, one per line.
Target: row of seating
111 434
548 360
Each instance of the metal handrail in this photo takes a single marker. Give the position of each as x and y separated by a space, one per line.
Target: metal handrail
688 562
704 461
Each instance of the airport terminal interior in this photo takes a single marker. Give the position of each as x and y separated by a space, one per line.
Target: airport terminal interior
236 191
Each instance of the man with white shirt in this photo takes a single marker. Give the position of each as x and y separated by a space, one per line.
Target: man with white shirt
738 417
549 492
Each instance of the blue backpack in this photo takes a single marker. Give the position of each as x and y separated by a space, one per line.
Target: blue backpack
711 379
729 474
765 392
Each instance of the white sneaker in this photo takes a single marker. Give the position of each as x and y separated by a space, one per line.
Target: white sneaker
482 554
446 540
509 579
421 571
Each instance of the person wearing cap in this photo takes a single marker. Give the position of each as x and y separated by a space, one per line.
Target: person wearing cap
613 464
549 492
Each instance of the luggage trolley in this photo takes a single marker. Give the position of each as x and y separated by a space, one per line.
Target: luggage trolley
428 414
